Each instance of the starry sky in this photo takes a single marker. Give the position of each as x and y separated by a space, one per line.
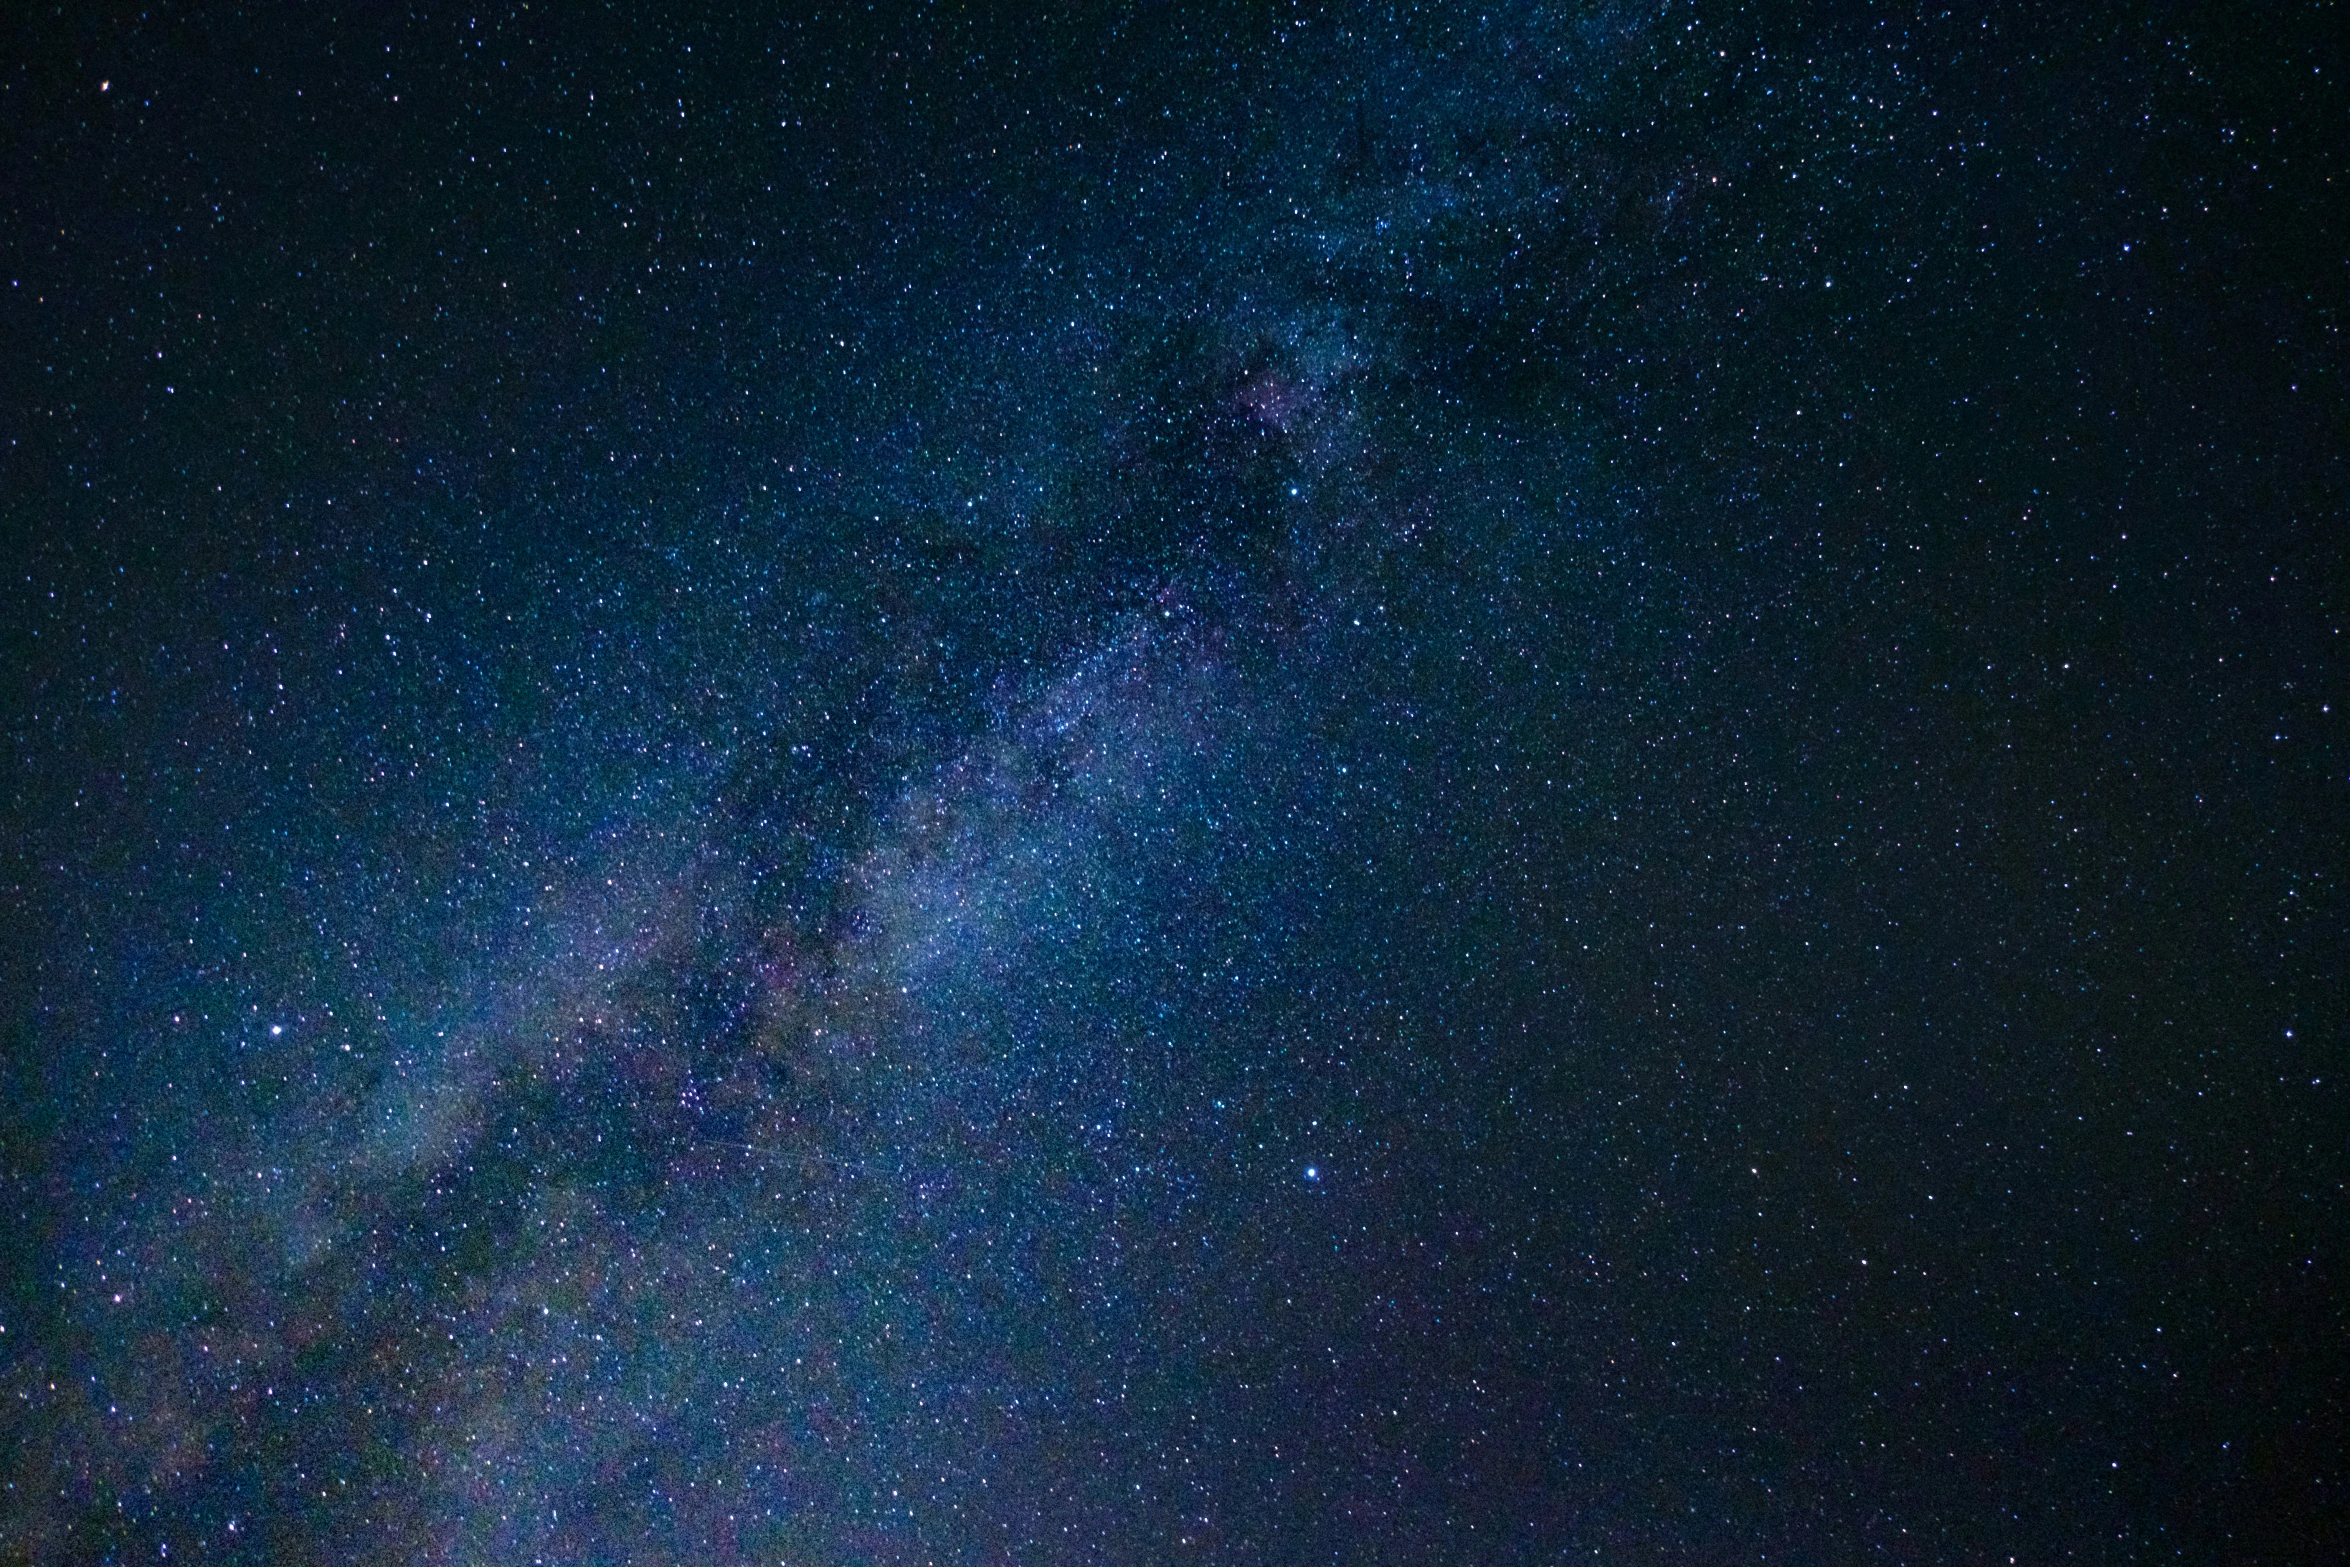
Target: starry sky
1272 784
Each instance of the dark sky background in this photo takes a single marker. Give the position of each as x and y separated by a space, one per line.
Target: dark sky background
1294 784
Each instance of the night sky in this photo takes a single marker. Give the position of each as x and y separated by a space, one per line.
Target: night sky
1296 784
